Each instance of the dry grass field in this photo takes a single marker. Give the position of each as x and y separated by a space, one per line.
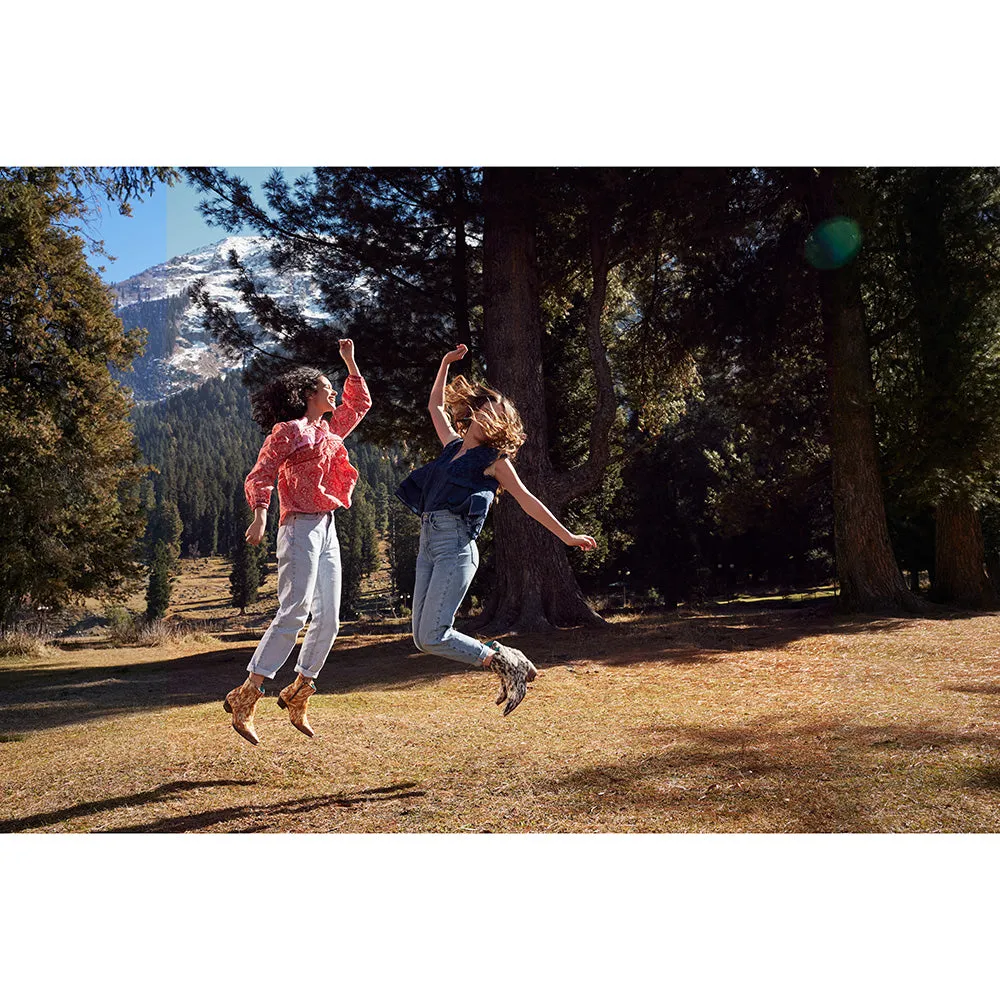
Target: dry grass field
749 717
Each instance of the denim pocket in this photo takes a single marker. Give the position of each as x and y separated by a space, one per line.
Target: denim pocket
286 536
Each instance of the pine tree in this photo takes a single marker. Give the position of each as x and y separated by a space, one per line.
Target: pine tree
262 555
244 580
165 526
70 509
158 590
358 546
870 578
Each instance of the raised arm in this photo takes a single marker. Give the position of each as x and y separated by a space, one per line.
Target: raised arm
435 404
355 401
508 478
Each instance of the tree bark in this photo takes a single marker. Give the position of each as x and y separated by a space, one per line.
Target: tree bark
870 579
960 557
960 574
534 588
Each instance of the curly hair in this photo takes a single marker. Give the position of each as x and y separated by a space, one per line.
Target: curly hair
502 429
284 397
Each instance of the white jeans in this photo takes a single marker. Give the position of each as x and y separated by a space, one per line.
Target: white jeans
308 584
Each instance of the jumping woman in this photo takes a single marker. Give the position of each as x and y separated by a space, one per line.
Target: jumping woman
305 449
481 433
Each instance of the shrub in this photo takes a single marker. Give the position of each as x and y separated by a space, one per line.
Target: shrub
139 631
18 643
123 626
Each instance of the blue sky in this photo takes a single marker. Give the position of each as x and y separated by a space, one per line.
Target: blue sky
162 226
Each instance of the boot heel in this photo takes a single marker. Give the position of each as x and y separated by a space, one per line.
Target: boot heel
227 707
281 702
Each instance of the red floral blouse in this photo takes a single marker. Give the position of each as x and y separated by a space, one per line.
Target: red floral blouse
314 472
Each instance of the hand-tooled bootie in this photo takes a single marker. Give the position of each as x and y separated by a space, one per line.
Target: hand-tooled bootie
240 703
515 670
294 698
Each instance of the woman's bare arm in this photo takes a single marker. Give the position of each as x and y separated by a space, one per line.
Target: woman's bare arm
435 404
508 478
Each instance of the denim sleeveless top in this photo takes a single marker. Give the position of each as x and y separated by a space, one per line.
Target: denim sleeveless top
456 485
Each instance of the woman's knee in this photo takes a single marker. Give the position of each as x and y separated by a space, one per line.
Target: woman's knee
431 640
291 617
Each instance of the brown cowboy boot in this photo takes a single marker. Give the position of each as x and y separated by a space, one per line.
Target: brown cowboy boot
515 670
240 703
295 698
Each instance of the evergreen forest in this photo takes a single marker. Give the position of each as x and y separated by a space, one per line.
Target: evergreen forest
737 380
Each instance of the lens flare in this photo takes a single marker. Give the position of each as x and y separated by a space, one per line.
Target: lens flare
833 243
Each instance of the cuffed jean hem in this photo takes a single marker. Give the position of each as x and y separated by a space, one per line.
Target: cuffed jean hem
260 673
305 671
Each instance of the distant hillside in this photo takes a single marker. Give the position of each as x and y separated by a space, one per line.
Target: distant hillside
203 442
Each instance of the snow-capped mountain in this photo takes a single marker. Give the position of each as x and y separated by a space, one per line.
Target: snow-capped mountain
179 352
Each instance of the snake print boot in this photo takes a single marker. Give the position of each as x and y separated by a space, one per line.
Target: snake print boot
515 670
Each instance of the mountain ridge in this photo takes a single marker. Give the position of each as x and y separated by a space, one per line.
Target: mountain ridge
179 353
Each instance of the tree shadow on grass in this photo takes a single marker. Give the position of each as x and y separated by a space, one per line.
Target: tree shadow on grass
45 695
684 638
767 775
161 792
197 821
270 812
973 688
986 778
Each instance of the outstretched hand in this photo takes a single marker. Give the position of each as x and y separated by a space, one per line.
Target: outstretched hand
347 351
456 355
582 541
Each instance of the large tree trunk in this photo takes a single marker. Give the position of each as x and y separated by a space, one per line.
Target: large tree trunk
534 588
960 575
869 577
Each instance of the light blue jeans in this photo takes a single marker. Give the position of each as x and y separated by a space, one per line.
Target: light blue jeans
446 563
308 584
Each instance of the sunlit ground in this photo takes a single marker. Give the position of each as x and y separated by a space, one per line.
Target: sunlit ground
746 717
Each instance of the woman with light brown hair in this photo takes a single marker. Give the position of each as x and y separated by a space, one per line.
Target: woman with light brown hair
481 432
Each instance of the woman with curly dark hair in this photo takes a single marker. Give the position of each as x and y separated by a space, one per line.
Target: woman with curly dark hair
305 450
481 432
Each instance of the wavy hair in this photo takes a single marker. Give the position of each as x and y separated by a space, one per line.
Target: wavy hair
502 429
284 397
